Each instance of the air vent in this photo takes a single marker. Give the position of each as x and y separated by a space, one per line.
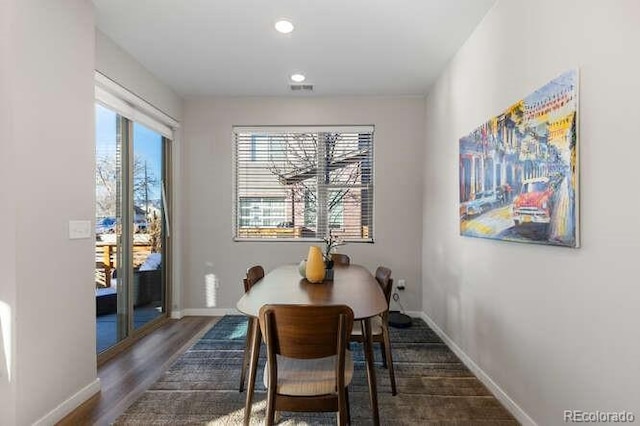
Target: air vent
301 87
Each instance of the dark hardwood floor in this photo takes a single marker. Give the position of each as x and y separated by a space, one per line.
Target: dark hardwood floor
124 377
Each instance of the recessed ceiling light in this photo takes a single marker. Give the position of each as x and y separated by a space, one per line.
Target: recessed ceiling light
284 26
298 78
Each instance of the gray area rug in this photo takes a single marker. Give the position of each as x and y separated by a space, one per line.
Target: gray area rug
434 387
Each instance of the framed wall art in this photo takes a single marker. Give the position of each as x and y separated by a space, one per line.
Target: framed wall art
519 170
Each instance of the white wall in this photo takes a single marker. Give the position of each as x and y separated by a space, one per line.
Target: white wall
208 188
7 233
121 67
49 139
555 328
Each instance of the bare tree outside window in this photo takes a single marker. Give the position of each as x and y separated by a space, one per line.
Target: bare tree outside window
106 186
144 181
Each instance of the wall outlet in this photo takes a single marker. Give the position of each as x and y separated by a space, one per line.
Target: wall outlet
402 284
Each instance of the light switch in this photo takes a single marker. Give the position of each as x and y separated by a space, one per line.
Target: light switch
79 229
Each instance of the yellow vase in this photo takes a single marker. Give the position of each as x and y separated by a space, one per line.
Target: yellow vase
315 265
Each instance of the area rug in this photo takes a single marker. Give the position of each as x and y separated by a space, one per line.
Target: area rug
434 387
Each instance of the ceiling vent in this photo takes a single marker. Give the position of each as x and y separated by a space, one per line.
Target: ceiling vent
301 87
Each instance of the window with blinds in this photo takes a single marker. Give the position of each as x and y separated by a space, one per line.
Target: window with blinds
302 183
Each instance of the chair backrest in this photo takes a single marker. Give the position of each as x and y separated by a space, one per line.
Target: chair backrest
340 259
254 274
383 276
306 332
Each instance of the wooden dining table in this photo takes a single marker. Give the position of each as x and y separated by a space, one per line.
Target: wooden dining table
352 285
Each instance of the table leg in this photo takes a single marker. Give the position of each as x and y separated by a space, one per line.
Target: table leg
253 366
371 374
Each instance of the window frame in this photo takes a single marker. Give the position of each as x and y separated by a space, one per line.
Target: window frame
256 132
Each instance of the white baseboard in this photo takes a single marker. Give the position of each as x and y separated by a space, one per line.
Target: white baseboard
176 315
209 312
493 387
58 413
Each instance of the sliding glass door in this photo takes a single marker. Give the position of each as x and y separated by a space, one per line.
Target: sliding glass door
110 132
132 163
149 230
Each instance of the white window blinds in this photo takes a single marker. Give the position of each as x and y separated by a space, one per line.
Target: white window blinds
302 183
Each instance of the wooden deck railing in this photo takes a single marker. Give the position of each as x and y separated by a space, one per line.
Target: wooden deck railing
107 253
106 260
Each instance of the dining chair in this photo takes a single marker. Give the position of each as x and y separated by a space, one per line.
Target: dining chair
308 365
380 326
340 259
254 274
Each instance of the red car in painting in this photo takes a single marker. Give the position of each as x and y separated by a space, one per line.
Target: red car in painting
534 203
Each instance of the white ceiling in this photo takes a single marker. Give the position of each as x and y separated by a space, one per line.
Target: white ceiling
345 47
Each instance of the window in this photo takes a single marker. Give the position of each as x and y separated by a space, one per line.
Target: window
257 212
299 183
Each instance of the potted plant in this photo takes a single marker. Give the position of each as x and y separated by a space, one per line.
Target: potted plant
330 243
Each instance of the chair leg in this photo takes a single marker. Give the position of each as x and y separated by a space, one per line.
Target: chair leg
383 352
346 400
247 351
343 413
387 346
271 407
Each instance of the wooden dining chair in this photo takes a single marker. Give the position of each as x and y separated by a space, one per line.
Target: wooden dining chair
254 274
380 326
308 365
340 259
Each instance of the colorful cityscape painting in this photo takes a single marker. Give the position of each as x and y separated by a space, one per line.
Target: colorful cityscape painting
519 170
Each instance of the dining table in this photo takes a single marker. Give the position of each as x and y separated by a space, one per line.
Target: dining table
352 285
